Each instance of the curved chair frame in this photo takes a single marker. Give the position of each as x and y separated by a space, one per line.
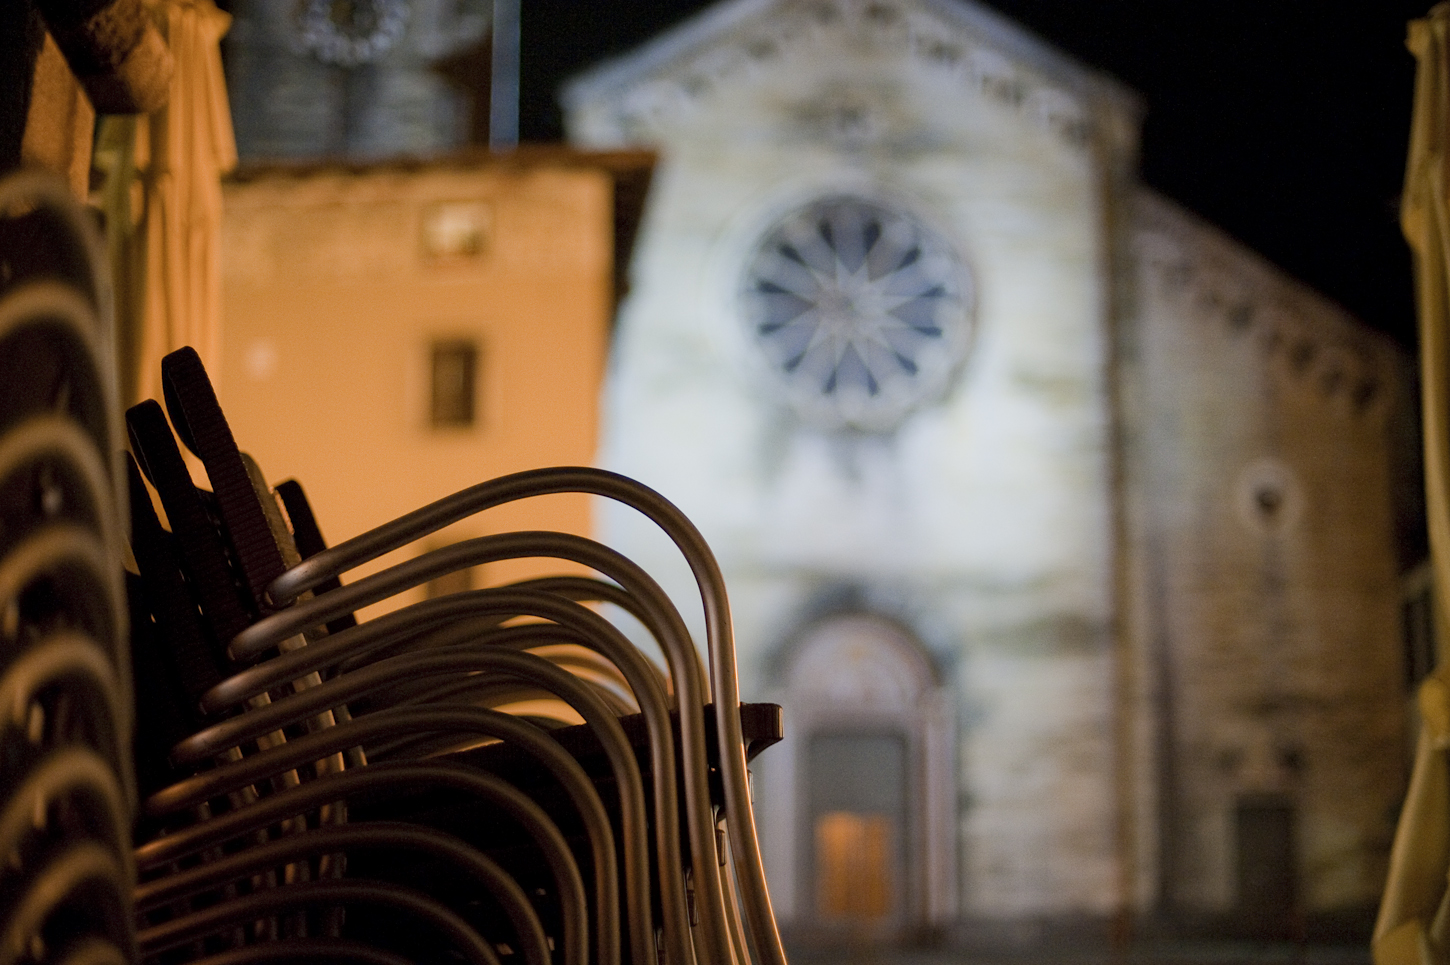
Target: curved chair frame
76 867
663 619
248 771
755 898
260 905
338 839
597 633
403 779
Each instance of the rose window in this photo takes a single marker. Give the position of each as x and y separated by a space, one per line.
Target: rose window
348 33
863 312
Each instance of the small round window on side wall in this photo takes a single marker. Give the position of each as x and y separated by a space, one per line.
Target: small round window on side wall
1268 496
862 311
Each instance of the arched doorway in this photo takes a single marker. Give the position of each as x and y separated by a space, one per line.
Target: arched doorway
857 808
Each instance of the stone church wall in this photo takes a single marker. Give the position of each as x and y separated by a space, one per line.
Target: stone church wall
1258 427
1154 578
982 523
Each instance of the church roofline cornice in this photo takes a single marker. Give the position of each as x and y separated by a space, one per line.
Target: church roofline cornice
1051 61
696 34
675 43
1156 212
1309 337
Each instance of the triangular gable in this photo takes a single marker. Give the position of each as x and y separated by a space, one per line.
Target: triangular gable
620 101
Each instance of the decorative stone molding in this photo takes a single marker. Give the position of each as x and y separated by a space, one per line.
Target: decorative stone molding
1300 334
635 100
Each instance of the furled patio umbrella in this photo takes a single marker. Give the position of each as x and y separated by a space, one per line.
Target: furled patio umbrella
182 151
1414 918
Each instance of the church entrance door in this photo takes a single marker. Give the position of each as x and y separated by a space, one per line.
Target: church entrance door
856 812
857 789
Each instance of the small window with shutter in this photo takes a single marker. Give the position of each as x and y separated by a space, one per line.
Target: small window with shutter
455 384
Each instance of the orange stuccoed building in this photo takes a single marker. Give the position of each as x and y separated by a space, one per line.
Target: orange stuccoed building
432 325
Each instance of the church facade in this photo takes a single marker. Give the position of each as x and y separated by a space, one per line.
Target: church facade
1061 525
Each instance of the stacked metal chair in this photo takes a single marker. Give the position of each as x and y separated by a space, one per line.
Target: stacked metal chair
339 790
347 791
313 788
67 793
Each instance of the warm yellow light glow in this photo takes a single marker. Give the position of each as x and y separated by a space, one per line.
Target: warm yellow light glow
853 865
393 339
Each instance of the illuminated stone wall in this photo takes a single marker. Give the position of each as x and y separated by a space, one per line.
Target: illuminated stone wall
1144 538
983 521
1259 442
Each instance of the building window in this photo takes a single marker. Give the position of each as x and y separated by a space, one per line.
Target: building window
454 381
1417 624
454 581
458 581
456 231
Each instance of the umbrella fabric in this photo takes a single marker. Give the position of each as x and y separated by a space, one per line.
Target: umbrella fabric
58 125
184 149
1414 919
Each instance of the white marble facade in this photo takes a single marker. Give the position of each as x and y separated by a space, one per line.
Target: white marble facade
995 477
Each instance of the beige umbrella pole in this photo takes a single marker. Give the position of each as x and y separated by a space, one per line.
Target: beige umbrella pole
185 149
115 155
1414 919
1426 225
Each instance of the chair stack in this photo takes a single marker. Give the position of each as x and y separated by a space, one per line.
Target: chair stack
419 787
67 793
494 775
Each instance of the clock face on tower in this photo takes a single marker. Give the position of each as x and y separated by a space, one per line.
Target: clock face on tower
863 312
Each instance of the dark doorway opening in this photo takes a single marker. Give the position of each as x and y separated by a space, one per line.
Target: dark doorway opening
1267 866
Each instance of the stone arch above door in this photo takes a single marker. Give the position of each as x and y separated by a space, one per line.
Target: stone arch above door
864 785
859 657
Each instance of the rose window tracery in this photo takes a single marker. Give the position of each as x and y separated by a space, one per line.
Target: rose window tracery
863 312
348 33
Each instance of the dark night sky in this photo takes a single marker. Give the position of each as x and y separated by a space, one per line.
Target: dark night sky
1285 123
